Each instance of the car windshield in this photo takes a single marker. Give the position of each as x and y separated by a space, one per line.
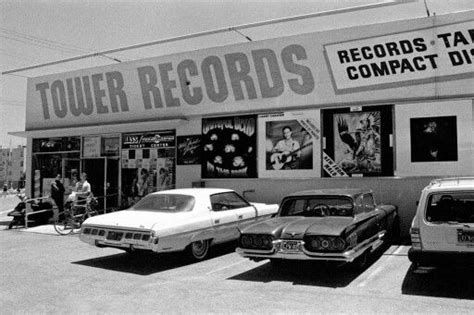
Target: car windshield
165 203
317 207
451 207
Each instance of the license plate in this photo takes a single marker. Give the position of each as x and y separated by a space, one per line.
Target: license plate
466 237
114 236
291 246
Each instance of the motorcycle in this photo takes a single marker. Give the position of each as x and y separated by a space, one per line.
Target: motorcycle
44 209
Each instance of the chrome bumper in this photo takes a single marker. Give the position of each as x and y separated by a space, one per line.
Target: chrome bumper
302 254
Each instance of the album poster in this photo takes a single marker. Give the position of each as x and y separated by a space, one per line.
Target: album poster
189 150
357 142
229 147
433 139
289 144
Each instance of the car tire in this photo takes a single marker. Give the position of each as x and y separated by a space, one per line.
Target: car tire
199 250
394 234
362 261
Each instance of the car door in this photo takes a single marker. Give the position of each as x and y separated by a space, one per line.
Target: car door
224 217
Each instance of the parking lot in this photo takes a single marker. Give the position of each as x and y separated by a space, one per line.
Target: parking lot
45 273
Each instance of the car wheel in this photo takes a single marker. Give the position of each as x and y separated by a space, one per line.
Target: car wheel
394 235
199 250
362 261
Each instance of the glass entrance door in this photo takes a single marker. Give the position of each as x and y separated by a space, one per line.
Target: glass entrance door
103 175
95 170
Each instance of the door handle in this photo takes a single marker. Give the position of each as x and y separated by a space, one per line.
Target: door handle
241 217
217 221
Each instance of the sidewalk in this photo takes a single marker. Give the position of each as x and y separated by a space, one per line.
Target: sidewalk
8 204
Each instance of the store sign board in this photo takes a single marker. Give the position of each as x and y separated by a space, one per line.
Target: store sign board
444 53
161 139
320 68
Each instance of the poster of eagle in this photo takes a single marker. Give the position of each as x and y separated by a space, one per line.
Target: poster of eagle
357 142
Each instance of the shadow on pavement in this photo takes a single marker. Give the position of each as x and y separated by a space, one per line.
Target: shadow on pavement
445 282
146 263
313 273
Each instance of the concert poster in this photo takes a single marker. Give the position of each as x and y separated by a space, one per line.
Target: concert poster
189 150
289 144
229 147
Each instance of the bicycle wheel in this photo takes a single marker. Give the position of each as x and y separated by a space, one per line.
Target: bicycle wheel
65 225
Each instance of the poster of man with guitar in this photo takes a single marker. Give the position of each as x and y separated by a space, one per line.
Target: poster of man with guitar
293 150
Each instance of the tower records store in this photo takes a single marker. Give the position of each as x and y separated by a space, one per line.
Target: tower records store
386 107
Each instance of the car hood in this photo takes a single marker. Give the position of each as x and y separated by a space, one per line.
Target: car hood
138 219
297 227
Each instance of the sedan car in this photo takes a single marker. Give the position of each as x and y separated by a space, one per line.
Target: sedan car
175 220
340 225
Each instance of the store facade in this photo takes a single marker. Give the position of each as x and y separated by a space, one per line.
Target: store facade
385 107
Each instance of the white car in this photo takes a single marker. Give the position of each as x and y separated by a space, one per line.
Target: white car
175 220
442 231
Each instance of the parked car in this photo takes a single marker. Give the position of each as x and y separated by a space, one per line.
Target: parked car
339 225
175 220
442 231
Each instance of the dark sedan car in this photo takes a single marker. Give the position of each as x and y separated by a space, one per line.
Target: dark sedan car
341 225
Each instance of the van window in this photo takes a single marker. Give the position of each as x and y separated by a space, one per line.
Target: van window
451 207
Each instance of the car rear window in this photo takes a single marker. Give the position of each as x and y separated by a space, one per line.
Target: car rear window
451 207
317 207
165 203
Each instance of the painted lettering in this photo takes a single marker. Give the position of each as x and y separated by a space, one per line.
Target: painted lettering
266 67
42 87
216 87
288 54
186 69
148 80
239 68
117 95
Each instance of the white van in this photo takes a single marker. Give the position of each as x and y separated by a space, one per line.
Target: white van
442 231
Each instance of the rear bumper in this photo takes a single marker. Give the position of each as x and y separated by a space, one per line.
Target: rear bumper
429 258
302 254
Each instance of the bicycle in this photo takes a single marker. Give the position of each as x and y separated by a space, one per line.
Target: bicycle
70 220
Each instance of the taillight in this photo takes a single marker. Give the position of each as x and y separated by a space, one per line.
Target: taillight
415 237
325 244
256 241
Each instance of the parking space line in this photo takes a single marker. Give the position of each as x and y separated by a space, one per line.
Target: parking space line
225 267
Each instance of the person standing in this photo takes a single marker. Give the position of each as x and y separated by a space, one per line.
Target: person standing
57 193
83 188
5 190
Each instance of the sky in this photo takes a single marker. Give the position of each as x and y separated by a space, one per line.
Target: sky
36 32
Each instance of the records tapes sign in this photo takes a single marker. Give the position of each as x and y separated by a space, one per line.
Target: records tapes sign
358 142
229 147
289 144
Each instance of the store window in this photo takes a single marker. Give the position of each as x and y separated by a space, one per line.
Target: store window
148 164
52 156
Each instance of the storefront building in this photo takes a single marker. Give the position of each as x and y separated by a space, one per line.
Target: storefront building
387 107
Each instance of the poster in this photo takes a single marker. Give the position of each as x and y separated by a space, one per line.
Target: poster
229 147
289 144
433 139
189 150
357 142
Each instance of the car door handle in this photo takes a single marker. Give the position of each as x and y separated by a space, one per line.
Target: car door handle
217 221
241 217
